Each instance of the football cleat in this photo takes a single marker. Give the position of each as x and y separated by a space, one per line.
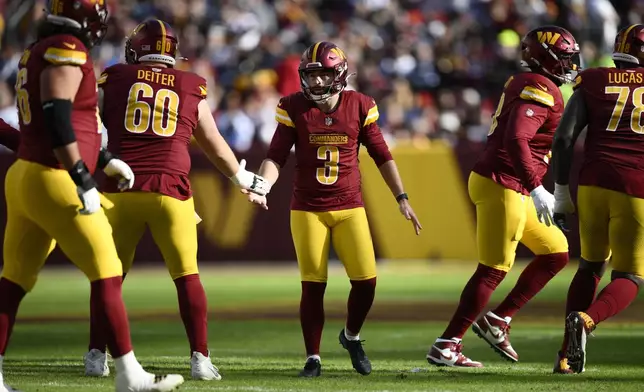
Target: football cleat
496 332
312 368
561 365
448 353
578 326
202 368
142 381
359 359
96 364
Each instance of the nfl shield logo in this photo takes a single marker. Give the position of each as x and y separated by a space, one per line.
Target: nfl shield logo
328 121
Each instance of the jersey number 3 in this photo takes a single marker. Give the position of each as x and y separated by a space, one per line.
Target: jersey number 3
328 175
638 107
163 115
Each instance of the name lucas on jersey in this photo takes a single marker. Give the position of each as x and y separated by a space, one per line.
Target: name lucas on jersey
625 77
155 77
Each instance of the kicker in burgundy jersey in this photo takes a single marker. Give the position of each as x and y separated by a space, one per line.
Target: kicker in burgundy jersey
517 153
150 114
614 146
327 175
35 144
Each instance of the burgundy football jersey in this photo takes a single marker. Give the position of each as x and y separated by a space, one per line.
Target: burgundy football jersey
35 144
518 146
327 175
150 114
614 144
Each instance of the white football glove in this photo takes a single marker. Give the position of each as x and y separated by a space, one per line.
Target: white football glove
563 200
250 181
544 203
91 200
117 168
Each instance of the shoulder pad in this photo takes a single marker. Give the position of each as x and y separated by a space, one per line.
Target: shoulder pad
66 50
202 86
371 111
538 93
103 78
281 113
587 75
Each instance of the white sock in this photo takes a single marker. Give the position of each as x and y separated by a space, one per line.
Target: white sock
452 340
350 337
1 372
127 363
314 357
494 316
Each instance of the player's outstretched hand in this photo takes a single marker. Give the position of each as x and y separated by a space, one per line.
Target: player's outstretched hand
409 214
250 181
257 199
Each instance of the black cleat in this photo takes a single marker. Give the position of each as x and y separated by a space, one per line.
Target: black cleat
359 359
312 368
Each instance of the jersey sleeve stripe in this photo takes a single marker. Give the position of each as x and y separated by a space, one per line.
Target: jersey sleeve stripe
284 120
102 79
372 116
282 117
203 90
534 94
65 57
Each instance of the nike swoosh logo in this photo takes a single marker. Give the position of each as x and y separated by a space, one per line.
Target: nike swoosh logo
447 358
544 88
70 46
497 335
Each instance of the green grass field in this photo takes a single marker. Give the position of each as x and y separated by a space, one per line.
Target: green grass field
256 341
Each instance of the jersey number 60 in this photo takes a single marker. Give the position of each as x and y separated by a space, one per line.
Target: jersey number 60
164 114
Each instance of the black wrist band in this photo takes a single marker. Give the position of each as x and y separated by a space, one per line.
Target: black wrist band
81 176
401 197
104 157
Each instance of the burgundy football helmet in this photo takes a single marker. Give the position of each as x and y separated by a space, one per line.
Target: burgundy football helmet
89 17
553 51
152 41
629 45
324 56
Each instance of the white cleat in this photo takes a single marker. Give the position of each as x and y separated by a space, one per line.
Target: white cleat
6 388
447 352
202 368
142 381
96 364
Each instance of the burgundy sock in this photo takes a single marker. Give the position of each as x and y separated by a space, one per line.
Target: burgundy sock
582 290
533 278
97 333
110 315
312 315
360 301
11 295
193 307
614 298
475 296
584 286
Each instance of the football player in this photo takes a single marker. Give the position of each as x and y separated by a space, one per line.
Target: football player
512 205
327 125
51 193
151 111
610 198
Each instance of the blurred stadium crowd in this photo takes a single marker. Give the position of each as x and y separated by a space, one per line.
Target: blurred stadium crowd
435 67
